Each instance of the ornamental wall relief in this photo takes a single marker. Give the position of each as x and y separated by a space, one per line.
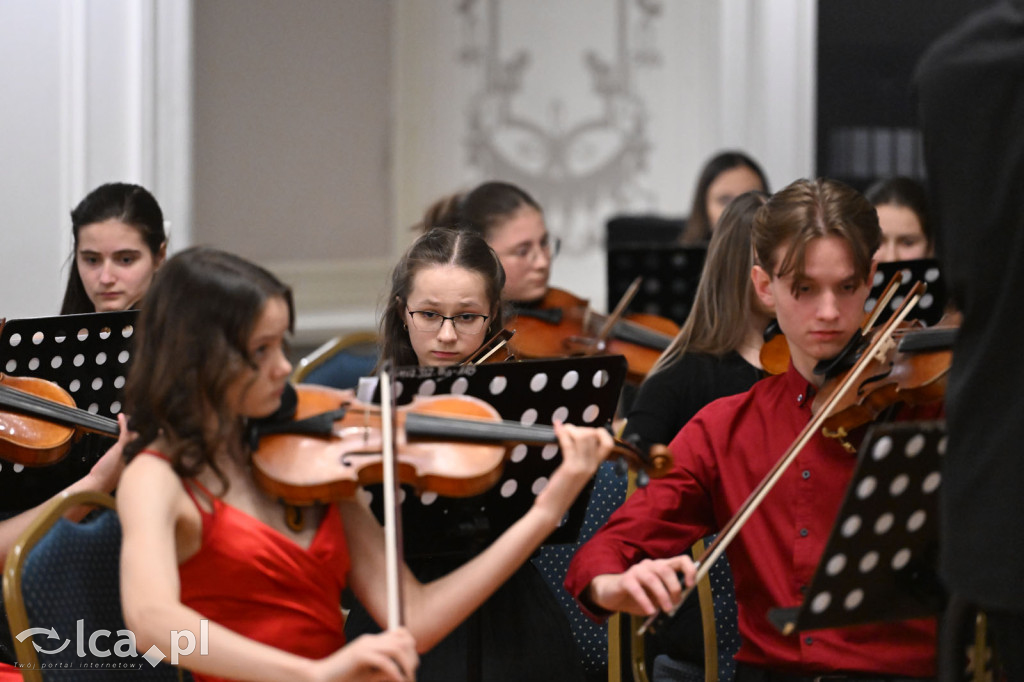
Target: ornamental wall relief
566 123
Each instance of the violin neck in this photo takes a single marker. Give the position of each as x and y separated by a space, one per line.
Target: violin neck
640 335
428 426
928 339
48 410
631 332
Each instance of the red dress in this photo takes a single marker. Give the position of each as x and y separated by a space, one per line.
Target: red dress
257 582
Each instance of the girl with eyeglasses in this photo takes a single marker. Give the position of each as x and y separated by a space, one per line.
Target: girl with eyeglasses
445 301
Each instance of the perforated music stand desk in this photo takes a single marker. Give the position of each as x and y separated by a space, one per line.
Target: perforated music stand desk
879 562
580 391
87 355
932 305
670 276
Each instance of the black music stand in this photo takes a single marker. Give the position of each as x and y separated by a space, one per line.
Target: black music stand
879 562
574 390
931 306
670 276
87 355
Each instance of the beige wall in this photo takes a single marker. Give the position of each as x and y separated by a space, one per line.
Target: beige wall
292 116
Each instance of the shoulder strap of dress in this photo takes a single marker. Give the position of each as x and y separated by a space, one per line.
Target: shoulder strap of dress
188 484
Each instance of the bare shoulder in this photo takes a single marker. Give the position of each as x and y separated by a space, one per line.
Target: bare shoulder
148 483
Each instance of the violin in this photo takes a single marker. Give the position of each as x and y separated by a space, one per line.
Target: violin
563 324
39 421
911 368
452 445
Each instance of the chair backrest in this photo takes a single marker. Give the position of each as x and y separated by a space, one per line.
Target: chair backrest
340 362
717 599
719 614
62 592
553 561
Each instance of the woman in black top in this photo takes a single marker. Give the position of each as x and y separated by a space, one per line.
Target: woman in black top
715 354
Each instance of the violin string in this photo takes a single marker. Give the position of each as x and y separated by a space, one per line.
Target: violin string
36 405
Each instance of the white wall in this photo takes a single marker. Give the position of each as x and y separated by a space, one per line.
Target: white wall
506 89
94 91
98 90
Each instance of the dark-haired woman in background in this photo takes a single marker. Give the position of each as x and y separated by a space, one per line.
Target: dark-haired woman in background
119 243
902 206
724 177
119 238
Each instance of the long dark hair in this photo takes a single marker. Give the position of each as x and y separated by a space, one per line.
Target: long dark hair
438 246
481 210
132 205
191 343
698 224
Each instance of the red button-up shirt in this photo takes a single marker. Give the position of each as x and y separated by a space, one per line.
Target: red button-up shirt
720 456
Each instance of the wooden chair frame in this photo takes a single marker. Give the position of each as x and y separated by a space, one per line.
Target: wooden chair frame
327 350
17 615
636 642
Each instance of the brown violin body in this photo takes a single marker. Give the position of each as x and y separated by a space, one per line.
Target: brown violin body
895 375
452 445
300 469
563 324
39 421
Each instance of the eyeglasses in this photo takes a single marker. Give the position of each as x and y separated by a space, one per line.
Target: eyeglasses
530 252
464 323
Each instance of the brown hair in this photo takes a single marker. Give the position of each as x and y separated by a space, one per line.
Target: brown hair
717 323
438 246
480 210
190 344
806 210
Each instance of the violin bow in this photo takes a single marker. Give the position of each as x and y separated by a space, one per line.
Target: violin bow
732 528
620 309
489 348
392 512
883 301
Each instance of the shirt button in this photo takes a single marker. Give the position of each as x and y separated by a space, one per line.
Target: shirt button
808 640
803 532
800 398
806 474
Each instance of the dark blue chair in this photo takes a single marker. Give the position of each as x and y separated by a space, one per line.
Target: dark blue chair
340 362
553 561
62 582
